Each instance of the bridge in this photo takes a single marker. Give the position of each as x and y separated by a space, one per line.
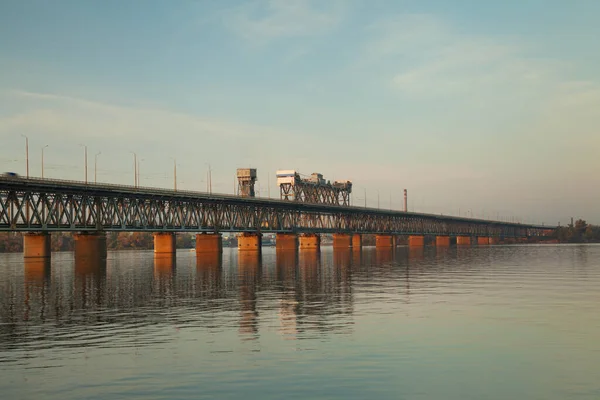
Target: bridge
38 207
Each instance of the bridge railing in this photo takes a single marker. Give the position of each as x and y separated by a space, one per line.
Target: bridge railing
189 194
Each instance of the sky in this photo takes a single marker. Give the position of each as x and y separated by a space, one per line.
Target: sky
478 108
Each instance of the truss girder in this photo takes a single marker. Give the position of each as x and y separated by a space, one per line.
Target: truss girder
64 208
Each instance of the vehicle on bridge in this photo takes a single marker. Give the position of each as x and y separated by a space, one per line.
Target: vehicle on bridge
10 175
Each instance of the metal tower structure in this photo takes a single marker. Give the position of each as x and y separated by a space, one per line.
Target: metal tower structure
246 179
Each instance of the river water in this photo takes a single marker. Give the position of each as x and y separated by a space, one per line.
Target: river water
494 322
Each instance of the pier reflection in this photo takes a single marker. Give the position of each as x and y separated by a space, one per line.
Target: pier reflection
37 271
249 275
209 275
309 291
164 276
36 285
89 283
384 255
416 254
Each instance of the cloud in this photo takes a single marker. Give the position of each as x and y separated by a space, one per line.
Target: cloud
155 134
73 116
433 59
492 81
266 20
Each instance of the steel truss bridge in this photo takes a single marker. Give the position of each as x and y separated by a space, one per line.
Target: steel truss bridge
44 205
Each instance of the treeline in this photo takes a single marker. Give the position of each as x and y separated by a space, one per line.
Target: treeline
579 232
11 242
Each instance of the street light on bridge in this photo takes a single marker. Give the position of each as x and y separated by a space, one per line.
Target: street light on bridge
174 173
209 179
86 163
96 166
43 160
26 153
135 182
138 170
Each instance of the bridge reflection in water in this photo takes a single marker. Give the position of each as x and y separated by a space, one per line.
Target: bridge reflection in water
296 294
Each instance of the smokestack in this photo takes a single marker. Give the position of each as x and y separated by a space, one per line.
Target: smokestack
405 201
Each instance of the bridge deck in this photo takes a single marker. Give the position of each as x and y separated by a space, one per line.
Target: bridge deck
32 204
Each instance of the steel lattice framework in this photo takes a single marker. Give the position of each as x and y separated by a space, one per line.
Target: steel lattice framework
33 205
304 191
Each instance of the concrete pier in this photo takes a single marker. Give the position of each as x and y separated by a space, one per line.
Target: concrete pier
249 242
310 242
342 241
483 240
286 241
463 240
164 243
442 241
90 245
209 243
356 241
384 241
36 245
416 241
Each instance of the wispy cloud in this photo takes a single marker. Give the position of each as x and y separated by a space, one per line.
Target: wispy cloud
68 116
265 20
67 121
433 59
426 59
156 134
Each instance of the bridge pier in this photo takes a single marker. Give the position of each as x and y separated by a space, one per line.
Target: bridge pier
249 242
310 241
416 241
342 241
286 241
356 241
384 241
90 245
37 270
209 243
483 240
36 245
442 241
164 243
463 240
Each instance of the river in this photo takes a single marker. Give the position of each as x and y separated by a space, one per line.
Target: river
492 322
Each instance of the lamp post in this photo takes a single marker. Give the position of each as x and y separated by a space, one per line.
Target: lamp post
26 153
135 182
174 173
43 160
96 167
138 170
209 179
86 163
